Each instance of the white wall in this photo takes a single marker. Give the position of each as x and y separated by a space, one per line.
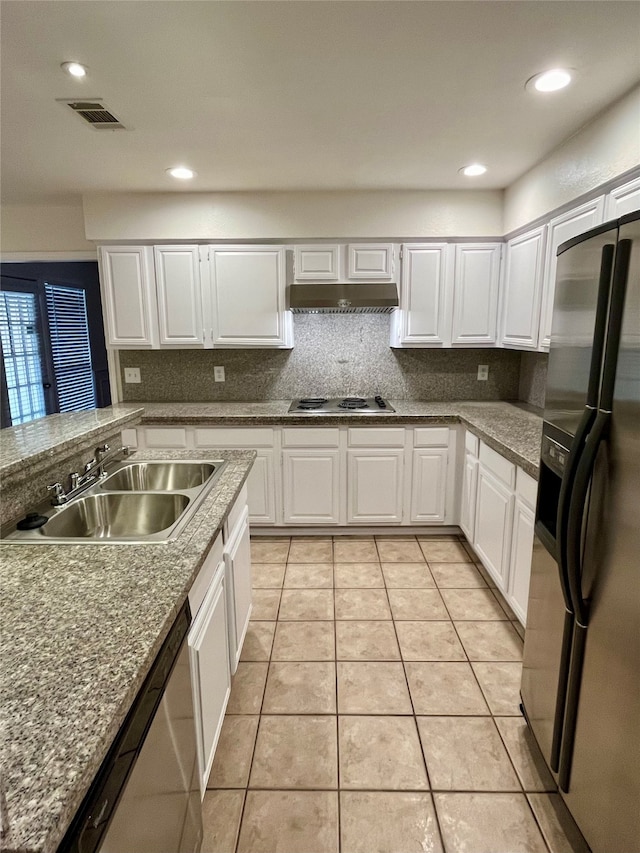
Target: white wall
603 149
291 215
43 228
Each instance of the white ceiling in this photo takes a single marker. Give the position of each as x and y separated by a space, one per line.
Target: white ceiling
301 95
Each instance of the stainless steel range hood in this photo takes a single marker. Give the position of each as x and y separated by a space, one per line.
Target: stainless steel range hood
343 298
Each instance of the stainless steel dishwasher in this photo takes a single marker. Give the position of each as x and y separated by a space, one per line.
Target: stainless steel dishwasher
146 796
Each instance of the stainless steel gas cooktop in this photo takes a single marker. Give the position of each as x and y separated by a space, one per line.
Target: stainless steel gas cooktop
341 406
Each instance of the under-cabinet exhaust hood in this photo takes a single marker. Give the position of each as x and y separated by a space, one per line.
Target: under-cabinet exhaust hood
343 298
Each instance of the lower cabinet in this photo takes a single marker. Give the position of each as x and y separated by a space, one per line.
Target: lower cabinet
261 486
311 486
520 561
375 486
494 519
237 559
468 498
429 484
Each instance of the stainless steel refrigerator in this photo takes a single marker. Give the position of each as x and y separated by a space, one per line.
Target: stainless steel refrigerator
581 673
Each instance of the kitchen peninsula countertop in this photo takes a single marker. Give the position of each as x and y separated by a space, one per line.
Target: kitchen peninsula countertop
511 430
81 627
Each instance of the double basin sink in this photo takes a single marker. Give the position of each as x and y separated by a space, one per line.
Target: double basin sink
136 502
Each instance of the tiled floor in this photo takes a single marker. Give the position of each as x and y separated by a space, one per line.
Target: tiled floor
375 709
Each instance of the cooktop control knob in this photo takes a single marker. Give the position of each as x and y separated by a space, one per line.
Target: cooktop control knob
381 403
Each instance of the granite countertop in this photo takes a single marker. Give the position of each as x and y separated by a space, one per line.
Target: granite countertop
82 625
511 430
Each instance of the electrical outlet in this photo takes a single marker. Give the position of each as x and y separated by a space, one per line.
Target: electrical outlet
483 372
218 374
132 374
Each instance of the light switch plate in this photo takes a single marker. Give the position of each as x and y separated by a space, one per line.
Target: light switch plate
483 372
132 374
218 374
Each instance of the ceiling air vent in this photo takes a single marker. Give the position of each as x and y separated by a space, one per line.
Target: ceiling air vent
95 114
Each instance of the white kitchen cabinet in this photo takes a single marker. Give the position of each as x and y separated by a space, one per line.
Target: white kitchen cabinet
237 558
369 261
520 559
562 228
522 289
248 297
317 263
129 296
311 486
429 484
375 486
424 316
209 657
475 293
261 488
623 199
469 487
493 523
179 290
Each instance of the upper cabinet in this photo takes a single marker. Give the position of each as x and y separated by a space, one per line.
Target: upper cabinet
369 262
622 200
129 296
179 295
476 284
337 262
522 289
562 228
317 263
424 317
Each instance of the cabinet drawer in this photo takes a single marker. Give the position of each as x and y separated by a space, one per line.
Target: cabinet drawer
374 437
431 437
526 488
162 437
235 514
224 437
205 576
498 465
471 442
310 437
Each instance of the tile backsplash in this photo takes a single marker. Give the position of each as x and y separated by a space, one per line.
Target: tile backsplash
334 354
533 377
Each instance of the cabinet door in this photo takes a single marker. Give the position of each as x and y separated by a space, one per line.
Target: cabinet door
562 228
248 294
522 290
374 486
261 486
475 293
424 295
237 558
179 295
494 519
469 490
622 200
368 261
211 677
429 484
520 564
311 486
317 263
129 296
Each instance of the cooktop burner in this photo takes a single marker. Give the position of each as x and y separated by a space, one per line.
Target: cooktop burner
342 405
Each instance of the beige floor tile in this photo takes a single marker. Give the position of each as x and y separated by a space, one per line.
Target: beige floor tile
466 754
443 552
500 683
388 822
300 688
525 755
353 575
258 641
366 687
317 550
490 640
234 752
289 822
416 604
444 688
306 604
486 577
304 641
429 641
488 823
407 575
247 688
362 604
472 604
399 551
269 550
221 813
265 605
503 604
557 825
366 641
355 550
309 576
267 575
295 752
381 753
456 575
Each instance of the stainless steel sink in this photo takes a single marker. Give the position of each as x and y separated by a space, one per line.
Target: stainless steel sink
159 476
115 515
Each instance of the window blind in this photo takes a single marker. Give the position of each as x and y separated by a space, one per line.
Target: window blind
70 347
21 353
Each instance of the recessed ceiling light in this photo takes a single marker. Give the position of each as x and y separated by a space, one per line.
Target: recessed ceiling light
75 69
473 170
181 172
550 81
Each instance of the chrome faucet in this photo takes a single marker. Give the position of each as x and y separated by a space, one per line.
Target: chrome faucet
92 472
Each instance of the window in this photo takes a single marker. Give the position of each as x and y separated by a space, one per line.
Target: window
22 356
